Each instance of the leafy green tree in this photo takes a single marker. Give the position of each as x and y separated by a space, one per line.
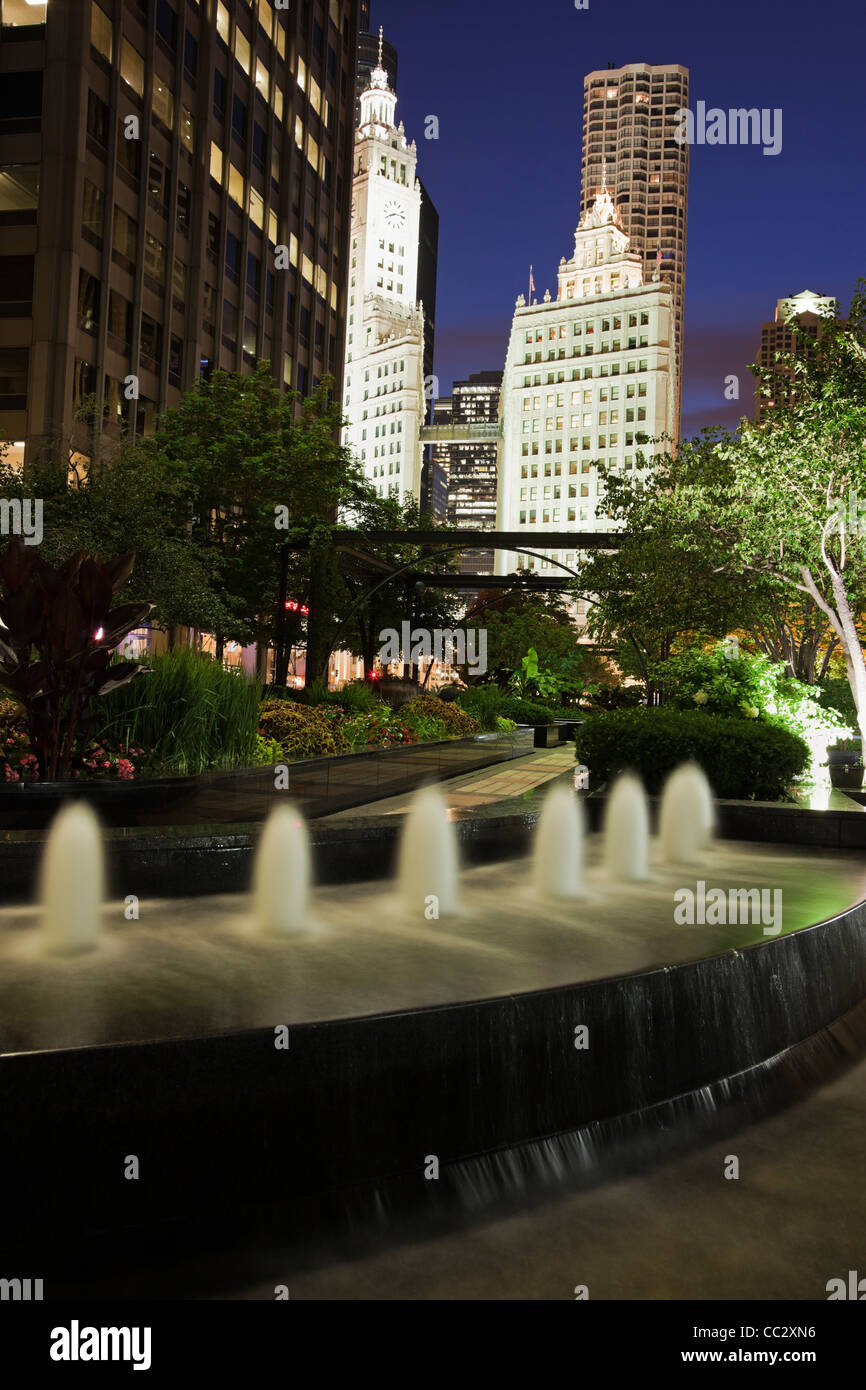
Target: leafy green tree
208 501
784 500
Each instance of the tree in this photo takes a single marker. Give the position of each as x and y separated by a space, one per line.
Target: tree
208 501
794 489
774 508
516 621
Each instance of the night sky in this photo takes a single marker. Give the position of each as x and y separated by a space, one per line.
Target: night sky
505 78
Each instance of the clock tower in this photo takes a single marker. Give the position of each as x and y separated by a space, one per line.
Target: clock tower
384 391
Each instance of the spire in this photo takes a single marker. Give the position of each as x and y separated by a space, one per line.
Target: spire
379 77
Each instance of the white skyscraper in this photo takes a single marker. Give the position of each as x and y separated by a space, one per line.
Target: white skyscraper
587 375
384 379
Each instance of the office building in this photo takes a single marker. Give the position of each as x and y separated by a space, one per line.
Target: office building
798 324
175 193
629 117
472 469
589 376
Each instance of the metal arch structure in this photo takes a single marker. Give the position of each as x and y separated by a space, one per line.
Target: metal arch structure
445 581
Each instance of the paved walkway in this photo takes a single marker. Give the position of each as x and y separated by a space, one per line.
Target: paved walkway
479 788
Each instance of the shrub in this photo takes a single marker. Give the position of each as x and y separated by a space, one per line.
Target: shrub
483 703
359 698
720 682
457 723
13 717
301 731
377 728
487 703
743 758
526 711
187 712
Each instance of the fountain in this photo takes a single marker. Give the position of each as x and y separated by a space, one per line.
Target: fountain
428 872
225 962
626 831
686 815
557 861
309 1065
281 876
72 882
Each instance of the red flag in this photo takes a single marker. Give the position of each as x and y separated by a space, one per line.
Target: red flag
531 282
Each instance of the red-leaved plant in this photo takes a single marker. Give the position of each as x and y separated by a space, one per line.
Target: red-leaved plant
58 631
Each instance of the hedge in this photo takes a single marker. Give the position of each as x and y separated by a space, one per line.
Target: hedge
744 759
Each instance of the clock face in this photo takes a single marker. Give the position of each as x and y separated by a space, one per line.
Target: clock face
395 216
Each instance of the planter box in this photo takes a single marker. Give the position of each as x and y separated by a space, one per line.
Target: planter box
116 803
847 775
545 736
318 786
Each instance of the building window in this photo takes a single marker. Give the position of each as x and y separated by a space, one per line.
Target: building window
132 67
125 239
163 102
93 213
101 32
88 302
97 120
150 355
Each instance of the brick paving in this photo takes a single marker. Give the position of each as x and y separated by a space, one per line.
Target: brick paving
482 787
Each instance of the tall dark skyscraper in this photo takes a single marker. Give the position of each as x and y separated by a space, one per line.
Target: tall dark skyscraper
629 117
472 469
153 160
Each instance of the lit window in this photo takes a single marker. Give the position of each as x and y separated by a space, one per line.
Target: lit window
101 32
236 185
188 128
216 162
257 208
132 67
163 101
242 51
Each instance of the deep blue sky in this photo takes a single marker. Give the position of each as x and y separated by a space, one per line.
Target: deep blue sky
505 78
